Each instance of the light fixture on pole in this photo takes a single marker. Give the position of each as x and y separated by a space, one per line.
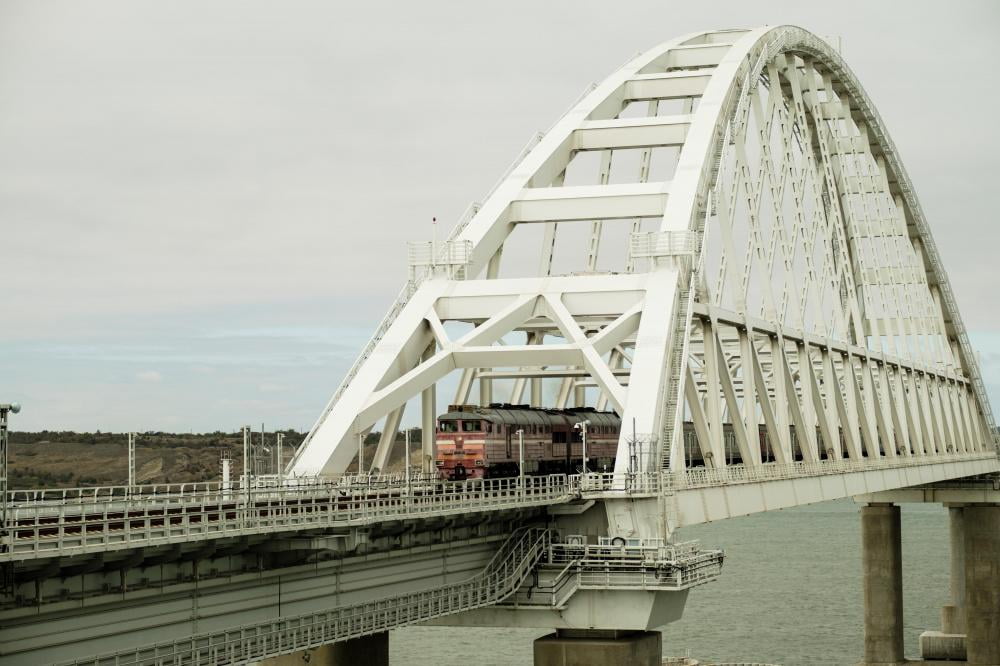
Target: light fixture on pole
582 427
5 409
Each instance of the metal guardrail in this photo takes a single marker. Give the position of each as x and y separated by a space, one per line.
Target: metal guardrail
653 244
114 520
48 523
656 567
505 573
731 474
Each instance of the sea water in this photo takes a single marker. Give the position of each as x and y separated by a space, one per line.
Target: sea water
790 594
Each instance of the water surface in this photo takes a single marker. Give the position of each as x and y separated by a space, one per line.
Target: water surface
790 594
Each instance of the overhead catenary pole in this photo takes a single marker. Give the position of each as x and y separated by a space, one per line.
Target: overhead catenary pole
582 427
520 459
361 453
5 409
246 462
280 437
131 461
406 461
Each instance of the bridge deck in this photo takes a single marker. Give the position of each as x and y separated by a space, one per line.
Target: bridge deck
64 523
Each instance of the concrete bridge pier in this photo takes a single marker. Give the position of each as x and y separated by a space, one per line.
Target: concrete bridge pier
882 564
970 622
982 583
595 647
365 651
953 614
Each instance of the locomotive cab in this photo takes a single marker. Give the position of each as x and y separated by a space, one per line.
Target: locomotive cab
460 443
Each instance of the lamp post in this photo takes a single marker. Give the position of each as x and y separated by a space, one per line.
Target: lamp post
5 409
582 427
520 459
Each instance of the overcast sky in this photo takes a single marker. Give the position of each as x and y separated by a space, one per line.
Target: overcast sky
204 204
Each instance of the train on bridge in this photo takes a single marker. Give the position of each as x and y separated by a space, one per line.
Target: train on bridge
475 442
484 442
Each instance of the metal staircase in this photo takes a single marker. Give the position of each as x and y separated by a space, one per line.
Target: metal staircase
505 573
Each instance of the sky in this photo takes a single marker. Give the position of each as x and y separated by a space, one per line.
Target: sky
204 205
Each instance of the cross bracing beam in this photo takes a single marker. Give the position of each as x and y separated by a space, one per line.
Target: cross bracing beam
545 373
621 133
671 85
606 202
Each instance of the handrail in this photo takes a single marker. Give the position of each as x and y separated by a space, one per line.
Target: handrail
46 526
501 577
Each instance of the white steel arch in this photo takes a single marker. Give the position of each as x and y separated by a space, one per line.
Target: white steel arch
752 259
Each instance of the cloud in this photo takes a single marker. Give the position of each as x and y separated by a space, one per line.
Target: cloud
151 376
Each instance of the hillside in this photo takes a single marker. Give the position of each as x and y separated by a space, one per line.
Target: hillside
51 459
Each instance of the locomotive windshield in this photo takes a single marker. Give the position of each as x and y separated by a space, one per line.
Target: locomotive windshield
471 426
447 426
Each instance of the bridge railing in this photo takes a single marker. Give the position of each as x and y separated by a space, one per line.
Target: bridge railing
702 476
644 564
45 523
504 574
73 524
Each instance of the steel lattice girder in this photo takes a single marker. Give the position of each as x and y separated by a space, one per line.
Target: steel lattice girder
811 269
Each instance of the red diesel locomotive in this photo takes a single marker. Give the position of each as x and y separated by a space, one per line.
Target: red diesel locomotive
482 442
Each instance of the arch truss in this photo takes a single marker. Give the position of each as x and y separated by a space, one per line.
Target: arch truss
720 243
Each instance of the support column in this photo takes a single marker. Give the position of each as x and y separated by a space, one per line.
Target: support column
882 562
953 614
428 420
485 391
365 651
982 584
569 647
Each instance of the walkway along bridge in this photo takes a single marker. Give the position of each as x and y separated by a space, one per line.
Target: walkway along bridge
720 243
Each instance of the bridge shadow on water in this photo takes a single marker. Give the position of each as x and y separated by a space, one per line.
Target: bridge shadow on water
790 594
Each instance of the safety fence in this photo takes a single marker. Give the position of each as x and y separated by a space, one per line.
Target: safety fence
77 523
47 523
636 564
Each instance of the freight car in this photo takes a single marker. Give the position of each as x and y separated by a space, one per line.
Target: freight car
482 442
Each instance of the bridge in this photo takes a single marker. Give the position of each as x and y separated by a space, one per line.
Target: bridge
720 244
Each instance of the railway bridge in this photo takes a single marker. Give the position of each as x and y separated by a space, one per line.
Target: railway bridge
719 243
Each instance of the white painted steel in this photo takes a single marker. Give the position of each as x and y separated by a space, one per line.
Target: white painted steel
790 198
